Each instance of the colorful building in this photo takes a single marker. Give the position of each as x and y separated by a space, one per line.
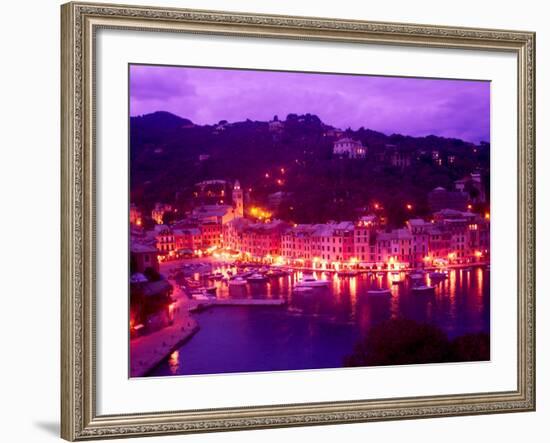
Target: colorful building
348 147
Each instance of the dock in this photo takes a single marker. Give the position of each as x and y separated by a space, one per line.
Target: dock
248 302
201 305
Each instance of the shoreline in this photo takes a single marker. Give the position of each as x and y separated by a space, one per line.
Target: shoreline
213 261
149 351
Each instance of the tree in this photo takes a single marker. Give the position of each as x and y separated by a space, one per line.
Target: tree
471 347
400 342
152 274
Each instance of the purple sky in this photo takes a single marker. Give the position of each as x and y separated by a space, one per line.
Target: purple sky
410 106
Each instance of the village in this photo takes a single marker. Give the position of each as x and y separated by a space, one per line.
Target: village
228 248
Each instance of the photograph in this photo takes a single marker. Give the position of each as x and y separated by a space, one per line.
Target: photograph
283 221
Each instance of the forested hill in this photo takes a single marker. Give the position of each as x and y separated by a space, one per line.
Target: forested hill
169 154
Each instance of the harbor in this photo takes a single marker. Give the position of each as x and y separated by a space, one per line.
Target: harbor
325 319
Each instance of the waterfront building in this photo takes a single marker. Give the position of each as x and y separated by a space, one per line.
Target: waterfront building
297 244
187 240
211 235
332 243
166 242
466 235
263 240
383 248
348 147
420 231
232 234
364 240
142 257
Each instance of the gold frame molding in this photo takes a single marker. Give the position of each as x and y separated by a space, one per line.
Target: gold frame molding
79 22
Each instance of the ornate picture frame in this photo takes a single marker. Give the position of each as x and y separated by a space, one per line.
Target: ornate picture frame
80 22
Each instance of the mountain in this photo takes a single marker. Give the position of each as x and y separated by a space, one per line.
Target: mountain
169 154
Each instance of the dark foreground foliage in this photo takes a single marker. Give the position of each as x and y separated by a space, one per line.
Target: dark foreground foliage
402 341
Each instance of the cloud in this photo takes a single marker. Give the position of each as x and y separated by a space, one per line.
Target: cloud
159 83
411 106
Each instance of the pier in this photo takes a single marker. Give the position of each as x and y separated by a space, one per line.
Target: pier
200 305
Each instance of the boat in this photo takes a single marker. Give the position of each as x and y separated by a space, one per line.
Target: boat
275 273
293 310
256 278
397 282
201 297
381 291
423 289
237 281
309 280
300 289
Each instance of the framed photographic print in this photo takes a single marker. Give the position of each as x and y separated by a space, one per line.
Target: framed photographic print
283 221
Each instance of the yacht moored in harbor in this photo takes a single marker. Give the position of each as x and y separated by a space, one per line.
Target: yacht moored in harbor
237 281
381 291
310 280
423 289
256 277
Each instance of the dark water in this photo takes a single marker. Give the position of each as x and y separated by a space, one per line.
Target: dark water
319 328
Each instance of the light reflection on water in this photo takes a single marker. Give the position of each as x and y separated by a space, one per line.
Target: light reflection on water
318 328
460 302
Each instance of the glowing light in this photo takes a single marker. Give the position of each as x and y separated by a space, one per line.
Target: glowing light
171 308
409 206
279 260
173 361
279 182
487 216
259 213
376 206
470 207
266 175
283 170
478 254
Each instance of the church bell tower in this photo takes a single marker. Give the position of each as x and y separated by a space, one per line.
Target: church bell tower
238 200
